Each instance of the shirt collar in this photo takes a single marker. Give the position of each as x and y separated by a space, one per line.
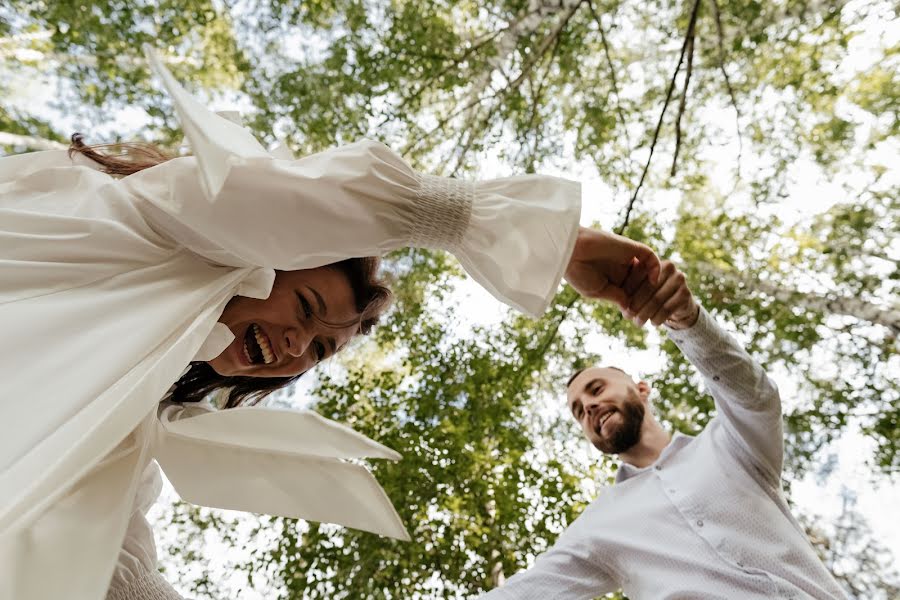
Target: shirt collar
678 441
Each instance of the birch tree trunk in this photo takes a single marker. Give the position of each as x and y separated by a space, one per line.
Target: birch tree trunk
826 303
34 143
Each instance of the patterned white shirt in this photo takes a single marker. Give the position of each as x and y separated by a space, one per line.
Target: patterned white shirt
707 520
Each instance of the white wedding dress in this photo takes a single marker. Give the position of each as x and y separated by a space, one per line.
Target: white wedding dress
110 287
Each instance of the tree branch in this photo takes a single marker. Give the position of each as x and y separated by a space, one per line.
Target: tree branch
612 76
662 114
455 62
683 103
737 111
552 38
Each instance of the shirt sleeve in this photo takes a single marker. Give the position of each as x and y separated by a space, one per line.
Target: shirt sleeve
236 202
746 398
135 576
567 571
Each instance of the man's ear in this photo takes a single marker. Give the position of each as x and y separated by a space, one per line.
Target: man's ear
644 390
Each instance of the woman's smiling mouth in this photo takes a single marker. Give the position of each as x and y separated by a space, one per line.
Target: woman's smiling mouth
257 346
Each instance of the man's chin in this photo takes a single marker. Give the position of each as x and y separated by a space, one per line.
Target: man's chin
613 445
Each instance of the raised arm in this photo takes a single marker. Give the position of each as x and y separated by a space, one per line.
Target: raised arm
237 205
746 398
567 571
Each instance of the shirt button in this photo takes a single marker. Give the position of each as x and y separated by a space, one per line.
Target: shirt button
715 378
699 522
671 490
658 467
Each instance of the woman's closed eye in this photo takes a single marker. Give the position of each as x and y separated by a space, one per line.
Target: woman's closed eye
305 306
306 313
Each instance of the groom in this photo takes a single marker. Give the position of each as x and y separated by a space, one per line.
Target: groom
688 517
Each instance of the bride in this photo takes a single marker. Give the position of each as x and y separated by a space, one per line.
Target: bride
125 284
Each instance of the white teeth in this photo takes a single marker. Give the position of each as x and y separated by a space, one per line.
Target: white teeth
247 354
263 341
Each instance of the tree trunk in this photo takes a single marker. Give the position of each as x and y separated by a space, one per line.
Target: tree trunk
34 143
123 61
826 303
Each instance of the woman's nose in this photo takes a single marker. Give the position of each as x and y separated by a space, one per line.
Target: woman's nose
296 342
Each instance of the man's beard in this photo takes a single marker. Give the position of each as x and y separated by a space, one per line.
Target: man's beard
624 436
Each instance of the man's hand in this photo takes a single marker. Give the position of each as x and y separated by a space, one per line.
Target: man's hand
668 301
602 261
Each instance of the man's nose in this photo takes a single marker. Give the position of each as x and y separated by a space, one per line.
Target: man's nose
296 341
592 405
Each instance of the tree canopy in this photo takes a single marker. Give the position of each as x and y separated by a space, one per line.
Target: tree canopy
709 122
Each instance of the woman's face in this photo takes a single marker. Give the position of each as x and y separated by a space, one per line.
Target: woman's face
281 336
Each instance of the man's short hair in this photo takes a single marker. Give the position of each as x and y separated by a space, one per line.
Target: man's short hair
583 369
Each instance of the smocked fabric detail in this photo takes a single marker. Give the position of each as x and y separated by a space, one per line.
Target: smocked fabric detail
442 211
149 585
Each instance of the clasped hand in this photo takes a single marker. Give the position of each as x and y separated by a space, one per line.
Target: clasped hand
609 267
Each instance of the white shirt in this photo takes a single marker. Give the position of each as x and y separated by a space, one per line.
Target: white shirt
109 288
707 519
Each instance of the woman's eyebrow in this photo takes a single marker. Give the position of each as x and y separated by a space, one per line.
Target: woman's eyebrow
323 308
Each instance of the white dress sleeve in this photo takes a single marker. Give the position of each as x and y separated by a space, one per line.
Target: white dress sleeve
513 235
136 577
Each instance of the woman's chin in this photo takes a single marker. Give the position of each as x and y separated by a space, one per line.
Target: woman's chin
232 362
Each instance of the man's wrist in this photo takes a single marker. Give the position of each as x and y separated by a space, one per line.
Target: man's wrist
687 322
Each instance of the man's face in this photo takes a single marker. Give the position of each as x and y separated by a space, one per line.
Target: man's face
609 406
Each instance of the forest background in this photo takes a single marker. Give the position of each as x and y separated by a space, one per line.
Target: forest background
755 143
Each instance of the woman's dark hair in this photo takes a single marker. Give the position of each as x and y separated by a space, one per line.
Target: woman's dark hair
370 293
122 158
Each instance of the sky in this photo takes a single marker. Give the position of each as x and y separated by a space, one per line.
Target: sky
877 502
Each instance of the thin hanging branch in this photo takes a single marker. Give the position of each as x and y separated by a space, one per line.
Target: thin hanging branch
737 111
553 38
499 94
683 104
475 46
662 114
612 72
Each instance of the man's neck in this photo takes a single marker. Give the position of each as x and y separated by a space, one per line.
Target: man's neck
653 440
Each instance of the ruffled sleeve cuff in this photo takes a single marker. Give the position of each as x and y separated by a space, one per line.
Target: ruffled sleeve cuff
514 236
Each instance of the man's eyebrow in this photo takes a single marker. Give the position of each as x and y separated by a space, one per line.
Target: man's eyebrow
321 301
